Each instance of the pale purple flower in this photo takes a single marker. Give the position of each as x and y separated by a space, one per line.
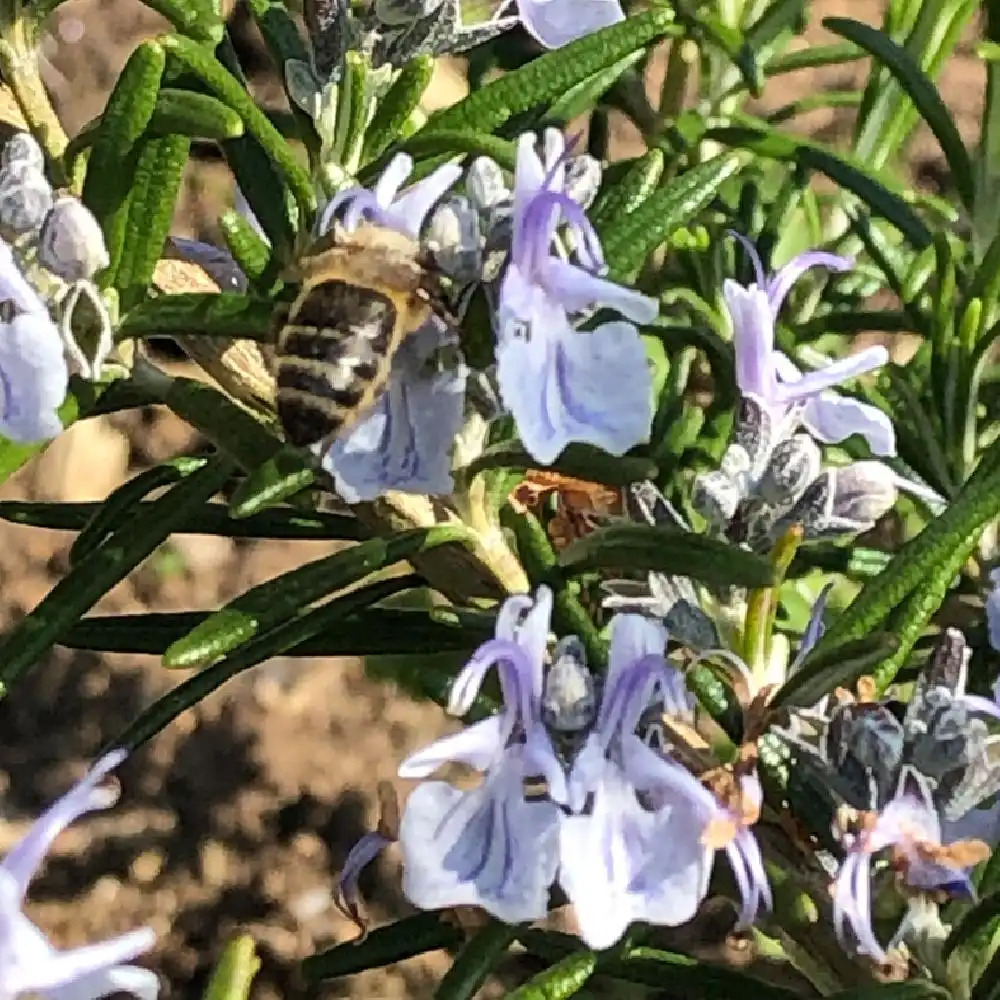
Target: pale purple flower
405 442
28 963
641 834
909 826
560 383
490 846
772 378
554 23
993 613
34 377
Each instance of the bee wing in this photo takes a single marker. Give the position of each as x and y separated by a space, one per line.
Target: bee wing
980 782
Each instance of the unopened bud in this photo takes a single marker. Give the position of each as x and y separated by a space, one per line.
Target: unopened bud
22 148
569 699
25 197
794 464
454 238
715 496
71 244
486 186
863 492
583 178
397 13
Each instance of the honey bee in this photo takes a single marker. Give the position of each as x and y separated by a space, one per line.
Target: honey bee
362 294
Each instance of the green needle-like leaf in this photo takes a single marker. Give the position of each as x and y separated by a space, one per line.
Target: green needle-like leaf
94 576
563 980
197 314
269 604
639 547
233 976
476 961
397 942
921 91
551 76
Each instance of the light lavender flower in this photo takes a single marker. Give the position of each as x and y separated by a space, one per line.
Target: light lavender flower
774 381
631 847
563 384
34 376
554 23
405 442
492 846
28 963
910 828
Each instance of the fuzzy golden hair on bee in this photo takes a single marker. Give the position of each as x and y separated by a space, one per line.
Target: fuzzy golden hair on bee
362 294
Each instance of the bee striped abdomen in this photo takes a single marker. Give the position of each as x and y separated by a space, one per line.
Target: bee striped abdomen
335 355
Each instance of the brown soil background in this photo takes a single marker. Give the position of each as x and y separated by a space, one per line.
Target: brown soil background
237 818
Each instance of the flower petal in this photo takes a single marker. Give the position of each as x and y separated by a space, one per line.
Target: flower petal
832 418
33 378
831 375
87 795
488 847
622 863
391 179
753 340
555 381
408 212
405 443
554 23
478 745
576 289
141 983
781 284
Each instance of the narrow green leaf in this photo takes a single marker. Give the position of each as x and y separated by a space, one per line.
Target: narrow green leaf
116 146
397 942
274 643
268 604
228 426
563 980
849 175
233 976
629 242
549 77
983 913
125 501
281 477
378 632
81 588
211 519
280 33
582 97
200 116
265 190
920 90
629 193
582 461
201 314
158 175
199 61
199 19
812 56
640 547
913 989
395 108
475 962
976 505
821 672
249 250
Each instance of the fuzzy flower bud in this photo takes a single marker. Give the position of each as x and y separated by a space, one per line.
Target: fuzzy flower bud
454 238
25 196
21 148
71 243
583 178
485 185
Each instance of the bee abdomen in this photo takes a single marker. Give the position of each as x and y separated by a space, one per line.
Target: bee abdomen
335 359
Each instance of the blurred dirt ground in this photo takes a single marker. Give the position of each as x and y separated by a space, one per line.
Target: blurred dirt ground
237 817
